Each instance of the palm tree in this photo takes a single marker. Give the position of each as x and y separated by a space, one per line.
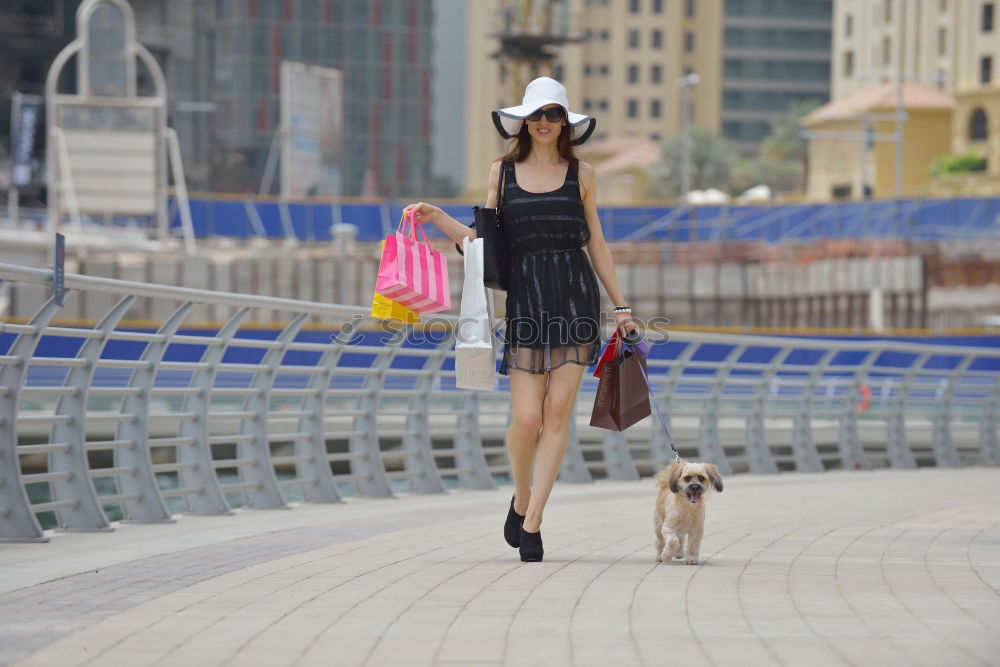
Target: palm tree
711 161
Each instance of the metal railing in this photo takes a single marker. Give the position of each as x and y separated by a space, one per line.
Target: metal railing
122 422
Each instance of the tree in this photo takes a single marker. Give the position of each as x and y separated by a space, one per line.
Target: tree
711 160
782 159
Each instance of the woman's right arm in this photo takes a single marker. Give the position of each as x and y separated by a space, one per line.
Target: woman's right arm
451 227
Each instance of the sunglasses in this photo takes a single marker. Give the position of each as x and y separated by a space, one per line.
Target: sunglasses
552 114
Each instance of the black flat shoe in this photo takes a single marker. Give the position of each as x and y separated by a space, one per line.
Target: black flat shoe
512 527
531 546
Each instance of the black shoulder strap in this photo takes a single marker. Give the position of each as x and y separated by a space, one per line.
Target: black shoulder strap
500 183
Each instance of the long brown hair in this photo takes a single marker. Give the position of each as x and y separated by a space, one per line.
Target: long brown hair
520 146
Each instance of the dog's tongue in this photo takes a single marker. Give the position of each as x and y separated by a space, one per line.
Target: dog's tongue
694 497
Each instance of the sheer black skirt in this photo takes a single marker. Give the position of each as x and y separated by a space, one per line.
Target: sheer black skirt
553 306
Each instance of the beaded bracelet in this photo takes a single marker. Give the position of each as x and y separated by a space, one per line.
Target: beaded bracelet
622 309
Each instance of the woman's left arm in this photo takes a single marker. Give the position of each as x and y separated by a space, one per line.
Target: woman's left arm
597 248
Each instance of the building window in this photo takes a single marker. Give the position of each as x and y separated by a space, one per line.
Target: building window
655 74
943 7
987 17
633 6
605 35
887 13
848 63
633 108
654 137
886 50
848 25
657 6
689 42
587 69
586 104
985 70
603 70
654 108
942 41
603 105
633 39
978 125
657 39
689 8
633 74
557 73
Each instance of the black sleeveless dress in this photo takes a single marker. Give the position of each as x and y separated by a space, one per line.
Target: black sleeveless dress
553 302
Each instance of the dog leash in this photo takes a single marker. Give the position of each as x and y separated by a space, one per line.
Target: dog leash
640 349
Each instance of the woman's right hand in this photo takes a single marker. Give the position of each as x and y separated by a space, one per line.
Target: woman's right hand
423 212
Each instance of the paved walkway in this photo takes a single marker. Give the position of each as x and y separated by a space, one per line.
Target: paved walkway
858 568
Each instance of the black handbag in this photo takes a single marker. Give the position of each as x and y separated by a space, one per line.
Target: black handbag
489 227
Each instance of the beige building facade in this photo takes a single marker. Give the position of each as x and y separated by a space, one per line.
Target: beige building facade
621 59
952 45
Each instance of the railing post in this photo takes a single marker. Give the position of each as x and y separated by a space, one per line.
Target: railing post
945 454
709 442
17 522
149 508
317 467
900 454
369 466
422 464
87 514
803 445
201 474
574 466
759 456
264 492
852 454
618 460
660 449
470 459
988 444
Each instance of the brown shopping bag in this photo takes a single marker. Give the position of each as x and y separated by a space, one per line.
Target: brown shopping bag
622 394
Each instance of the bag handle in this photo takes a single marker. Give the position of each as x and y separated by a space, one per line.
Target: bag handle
407 217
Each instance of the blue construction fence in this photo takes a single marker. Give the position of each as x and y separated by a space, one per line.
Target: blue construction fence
955 219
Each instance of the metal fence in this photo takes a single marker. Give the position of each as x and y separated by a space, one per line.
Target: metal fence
123 422
944 220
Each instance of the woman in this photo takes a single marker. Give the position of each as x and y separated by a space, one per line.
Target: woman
549 204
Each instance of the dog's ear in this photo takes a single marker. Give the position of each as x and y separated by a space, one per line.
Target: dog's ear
713 474
674 472
669 476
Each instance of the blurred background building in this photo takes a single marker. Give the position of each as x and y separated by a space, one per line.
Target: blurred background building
622 60
791 104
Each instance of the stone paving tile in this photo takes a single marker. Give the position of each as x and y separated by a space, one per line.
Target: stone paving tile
830 569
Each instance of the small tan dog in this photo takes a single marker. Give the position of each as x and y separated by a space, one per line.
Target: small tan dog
679 518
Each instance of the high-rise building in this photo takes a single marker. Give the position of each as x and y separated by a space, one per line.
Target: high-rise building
31 35
382 49
753 59
879 40
953 45
774 53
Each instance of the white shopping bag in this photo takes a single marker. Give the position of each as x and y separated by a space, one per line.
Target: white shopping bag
475 343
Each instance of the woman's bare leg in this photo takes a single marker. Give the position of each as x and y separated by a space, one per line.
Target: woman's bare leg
527 393
560 398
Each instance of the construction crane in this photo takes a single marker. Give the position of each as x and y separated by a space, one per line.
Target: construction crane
530 31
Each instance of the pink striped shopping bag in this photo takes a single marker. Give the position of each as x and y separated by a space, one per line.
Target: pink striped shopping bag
412 273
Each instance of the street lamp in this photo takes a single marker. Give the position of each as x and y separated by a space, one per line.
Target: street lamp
686 83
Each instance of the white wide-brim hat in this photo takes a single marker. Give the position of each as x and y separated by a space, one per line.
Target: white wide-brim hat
542 92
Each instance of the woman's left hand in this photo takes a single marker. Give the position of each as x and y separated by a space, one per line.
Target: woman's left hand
625 323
